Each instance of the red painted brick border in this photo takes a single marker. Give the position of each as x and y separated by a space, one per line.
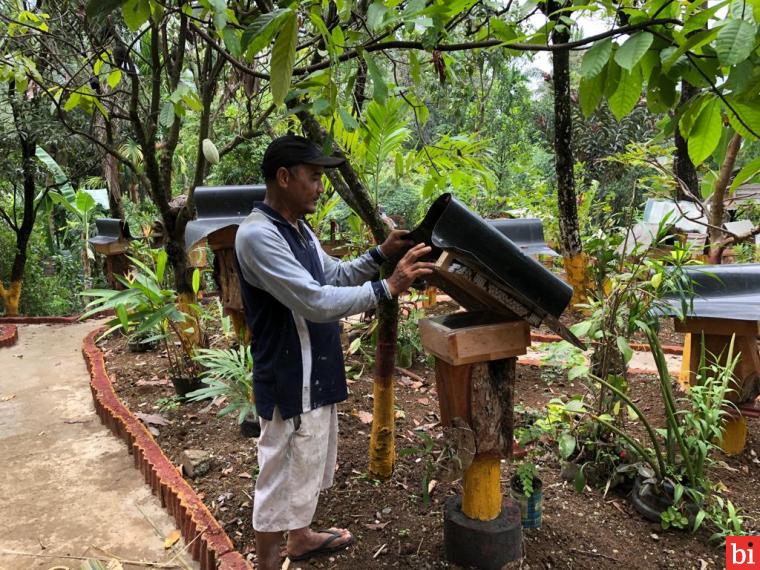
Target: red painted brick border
206 539
638 347
8 335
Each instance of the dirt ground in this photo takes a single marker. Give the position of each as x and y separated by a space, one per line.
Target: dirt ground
394 526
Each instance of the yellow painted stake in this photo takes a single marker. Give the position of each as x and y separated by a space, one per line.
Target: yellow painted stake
734 435
684 376
481 499
11 298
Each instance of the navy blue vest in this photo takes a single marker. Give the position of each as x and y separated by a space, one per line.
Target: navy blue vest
276 346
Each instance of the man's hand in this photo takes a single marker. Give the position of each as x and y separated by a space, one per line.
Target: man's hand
409 268
395 243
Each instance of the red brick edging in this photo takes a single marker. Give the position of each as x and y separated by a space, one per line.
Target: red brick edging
637 346
205 537
8 335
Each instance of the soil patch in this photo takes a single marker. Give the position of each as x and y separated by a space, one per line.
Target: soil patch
394 526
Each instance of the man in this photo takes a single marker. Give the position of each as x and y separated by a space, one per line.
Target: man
294 294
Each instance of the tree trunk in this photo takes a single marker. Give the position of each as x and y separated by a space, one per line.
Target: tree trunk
382 453
687 187
569 229
717 201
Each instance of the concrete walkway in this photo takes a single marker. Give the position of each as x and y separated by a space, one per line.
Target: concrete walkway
68 488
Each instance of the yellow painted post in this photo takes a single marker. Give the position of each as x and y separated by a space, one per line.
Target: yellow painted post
734 435
481 499
684 376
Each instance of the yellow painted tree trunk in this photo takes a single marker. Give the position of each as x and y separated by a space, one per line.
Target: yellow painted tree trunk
11 298
577 276
382 445
481 497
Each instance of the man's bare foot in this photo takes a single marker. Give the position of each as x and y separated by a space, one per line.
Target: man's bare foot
304 543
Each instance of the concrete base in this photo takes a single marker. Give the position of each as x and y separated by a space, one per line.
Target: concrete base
487 545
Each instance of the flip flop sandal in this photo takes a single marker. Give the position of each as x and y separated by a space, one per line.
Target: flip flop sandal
325 547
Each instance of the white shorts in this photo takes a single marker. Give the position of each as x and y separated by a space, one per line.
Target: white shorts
294 465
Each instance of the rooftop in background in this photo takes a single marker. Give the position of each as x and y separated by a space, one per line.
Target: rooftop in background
745 194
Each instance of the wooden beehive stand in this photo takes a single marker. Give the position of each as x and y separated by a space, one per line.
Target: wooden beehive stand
717 334
475 361
222 243
116 260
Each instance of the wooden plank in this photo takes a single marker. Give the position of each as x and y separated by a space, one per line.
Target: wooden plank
452 384
113 248
725 327
223 239
478 343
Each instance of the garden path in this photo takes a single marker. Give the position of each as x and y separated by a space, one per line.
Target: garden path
67 485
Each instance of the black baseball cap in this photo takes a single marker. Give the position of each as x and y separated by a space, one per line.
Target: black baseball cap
291 150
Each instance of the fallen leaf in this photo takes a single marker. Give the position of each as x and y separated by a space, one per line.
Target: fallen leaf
377 526
364 417
702 564
618 506
172 539
227 471
423 401
431 486
400 414
154 431
416 385
7 397
155 419
245 475
155 381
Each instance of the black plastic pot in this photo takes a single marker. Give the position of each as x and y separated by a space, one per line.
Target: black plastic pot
651 504
250 428
138 346
183 386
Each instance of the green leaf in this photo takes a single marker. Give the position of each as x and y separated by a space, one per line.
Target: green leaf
136 13
166 117
380 89
101 8
566 445
258 35
121 312
634 48
114 78
590 93
698 520
348 120
749 125
59 175
749 170
690 113
596 58
283 58
627 94
705 135
693 43
196 280
579 481
625 349
735 41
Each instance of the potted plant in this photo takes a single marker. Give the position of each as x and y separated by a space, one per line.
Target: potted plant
147 308
526 490
228 377
672 485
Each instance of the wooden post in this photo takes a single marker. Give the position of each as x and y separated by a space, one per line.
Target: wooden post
475 373
222 242
717 334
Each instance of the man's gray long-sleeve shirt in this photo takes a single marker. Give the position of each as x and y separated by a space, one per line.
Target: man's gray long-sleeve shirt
294 294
